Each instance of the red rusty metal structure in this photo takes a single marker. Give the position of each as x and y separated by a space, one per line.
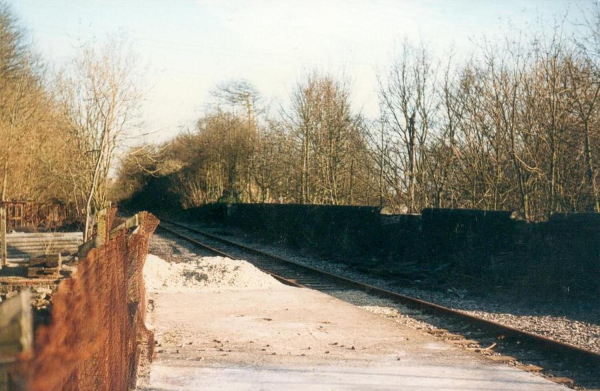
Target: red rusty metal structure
35 215
97 335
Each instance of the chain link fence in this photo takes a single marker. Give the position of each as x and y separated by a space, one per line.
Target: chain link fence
97 336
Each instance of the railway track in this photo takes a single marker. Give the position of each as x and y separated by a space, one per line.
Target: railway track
561 362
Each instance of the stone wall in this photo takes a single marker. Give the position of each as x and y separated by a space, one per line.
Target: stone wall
474 249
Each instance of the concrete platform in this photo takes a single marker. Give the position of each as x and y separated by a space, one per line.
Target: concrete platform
297 339
22 246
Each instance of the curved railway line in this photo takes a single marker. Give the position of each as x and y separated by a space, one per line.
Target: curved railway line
561 362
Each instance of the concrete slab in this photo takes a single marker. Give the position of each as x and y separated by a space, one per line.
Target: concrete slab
296 339
22 246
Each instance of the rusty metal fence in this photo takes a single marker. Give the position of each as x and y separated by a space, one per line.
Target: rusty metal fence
27 214
97 335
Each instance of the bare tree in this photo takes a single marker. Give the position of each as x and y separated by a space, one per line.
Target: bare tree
513 127
409 99
30 132
328 137
242 94
584 91
100 96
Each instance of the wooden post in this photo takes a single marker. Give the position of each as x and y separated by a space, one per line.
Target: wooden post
96 242
3 251
16 333
16 326
101 231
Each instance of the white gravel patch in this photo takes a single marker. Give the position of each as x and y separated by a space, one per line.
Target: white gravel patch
203 273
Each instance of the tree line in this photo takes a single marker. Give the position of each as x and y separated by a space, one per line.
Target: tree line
60 130
516 126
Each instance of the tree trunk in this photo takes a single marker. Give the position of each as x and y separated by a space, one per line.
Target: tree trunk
591 178
411 164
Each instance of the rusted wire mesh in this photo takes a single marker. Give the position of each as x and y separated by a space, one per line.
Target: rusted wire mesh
97 334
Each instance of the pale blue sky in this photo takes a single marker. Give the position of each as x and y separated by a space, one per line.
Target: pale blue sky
190 46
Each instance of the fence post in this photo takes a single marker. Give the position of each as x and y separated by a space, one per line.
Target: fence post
16 335
3 251
101 231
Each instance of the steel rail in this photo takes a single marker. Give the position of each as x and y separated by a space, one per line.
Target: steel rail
580 355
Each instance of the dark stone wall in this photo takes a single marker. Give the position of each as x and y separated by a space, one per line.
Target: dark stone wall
472 249
567 253
345 230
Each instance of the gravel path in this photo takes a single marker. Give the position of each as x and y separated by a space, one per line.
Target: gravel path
576 323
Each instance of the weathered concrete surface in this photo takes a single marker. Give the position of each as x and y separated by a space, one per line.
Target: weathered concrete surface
22 246
297 339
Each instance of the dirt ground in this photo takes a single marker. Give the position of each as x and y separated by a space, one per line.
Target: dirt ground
276 337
